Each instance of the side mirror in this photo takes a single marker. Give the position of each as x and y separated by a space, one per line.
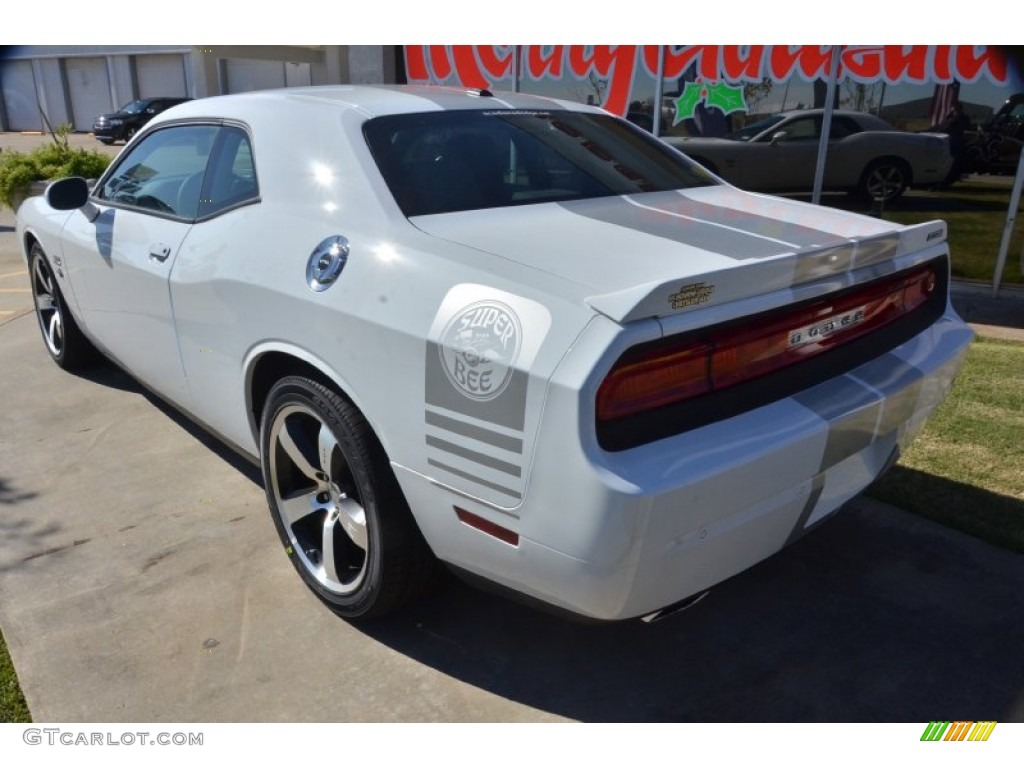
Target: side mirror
68 194
777 137
151 111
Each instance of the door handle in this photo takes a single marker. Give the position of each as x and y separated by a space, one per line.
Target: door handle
159 251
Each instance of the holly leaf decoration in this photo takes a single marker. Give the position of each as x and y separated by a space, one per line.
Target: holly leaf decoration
686 104
728 98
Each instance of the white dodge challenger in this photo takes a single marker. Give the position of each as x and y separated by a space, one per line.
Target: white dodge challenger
511 334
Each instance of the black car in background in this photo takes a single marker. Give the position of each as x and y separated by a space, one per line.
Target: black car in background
122 125
997 146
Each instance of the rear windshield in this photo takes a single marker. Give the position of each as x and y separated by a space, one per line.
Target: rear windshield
440 162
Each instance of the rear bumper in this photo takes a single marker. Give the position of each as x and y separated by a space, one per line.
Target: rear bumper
619 535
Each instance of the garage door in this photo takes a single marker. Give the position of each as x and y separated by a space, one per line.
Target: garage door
162 75
90 91
18 90
252 75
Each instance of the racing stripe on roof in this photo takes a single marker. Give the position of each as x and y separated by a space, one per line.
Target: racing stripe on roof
450 98
793 234
709 236
529 101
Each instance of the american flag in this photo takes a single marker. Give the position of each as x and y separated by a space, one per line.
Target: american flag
945 96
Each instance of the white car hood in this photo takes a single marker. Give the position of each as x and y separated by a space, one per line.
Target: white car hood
661 253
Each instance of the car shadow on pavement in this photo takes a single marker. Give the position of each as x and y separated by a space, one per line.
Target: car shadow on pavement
109 375
876 616
994 517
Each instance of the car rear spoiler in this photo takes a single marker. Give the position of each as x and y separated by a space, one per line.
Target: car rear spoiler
746 279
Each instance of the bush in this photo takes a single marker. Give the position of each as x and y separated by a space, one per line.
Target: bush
18 170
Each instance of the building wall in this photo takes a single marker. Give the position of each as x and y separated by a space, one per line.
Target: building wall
69 84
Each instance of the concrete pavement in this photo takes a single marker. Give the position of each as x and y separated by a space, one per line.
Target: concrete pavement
141 580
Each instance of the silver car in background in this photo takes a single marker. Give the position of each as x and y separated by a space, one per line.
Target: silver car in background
866 155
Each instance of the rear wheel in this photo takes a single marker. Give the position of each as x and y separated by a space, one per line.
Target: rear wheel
884 180
64 341
336 503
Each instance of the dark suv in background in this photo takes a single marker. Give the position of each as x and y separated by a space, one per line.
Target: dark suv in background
122 125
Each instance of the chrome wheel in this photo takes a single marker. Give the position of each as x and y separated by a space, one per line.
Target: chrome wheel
884 181
317 499
336 504
48 307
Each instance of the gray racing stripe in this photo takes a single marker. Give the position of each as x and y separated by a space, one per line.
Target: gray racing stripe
698 234
817 485
496 439
756 224
478 458
529 101
448 97
876 249
477 480
899 381
851 410
822 263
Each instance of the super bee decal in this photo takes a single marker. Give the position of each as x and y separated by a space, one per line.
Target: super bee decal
477 391
479 347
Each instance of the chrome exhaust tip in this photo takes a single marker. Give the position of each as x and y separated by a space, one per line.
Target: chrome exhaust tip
682 605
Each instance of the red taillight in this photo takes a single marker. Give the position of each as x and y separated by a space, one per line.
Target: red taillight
724 358
654 381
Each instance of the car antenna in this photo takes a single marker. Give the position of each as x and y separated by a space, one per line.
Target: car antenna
480 92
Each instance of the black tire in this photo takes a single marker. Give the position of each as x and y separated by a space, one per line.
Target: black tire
68 347
108 142
884 180
336 504
128 135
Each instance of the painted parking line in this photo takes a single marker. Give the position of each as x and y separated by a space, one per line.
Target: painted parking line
15 290
22 273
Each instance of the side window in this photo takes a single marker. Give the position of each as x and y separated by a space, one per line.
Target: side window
802 128
164 172
231 179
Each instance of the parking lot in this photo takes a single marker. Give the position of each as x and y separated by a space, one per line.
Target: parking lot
141 580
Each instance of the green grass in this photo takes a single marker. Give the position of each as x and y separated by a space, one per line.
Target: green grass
975 212
966 468
13 708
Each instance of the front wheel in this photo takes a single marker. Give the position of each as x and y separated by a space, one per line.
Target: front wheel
336 503
64 341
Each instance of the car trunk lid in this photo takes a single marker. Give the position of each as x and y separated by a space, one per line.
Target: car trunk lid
664 253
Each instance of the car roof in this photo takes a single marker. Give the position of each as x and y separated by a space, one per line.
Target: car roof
370 101
839 112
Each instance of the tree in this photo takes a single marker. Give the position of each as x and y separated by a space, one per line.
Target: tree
592 92
755 93
860 97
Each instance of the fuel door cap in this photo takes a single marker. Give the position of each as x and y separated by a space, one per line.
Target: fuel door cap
326 262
